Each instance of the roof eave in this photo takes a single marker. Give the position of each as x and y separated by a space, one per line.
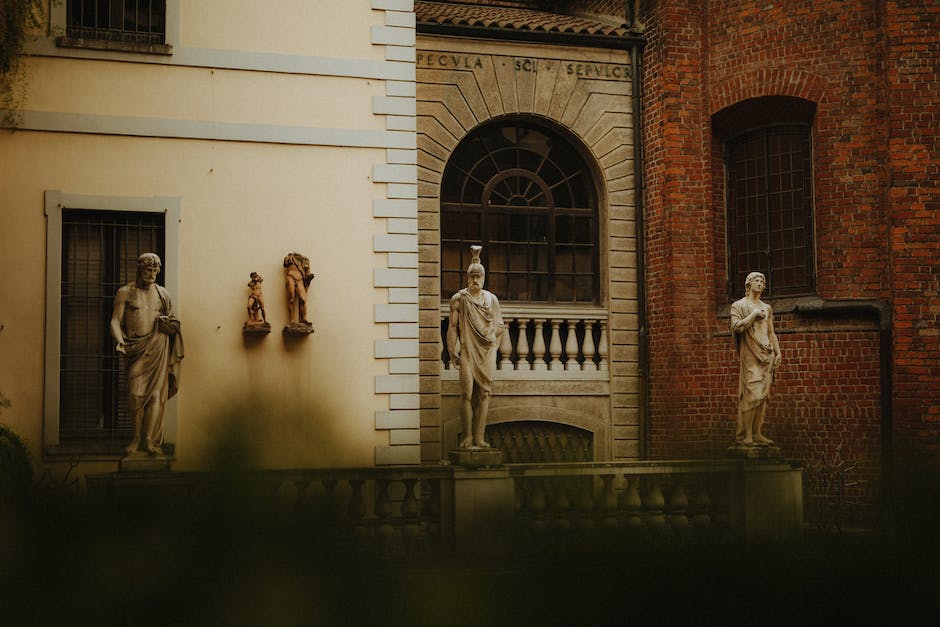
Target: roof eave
629 42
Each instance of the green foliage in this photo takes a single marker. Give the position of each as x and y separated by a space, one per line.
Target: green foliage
17 19
16 468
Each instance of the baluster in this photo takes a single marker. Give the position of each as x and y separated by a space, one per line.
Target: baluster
539 346
357 511
630 502
412 531
653 503
554 346
602 347
384 530
505 350
537 505
701 504
522 346
678 508
300 486
588 348
571 346
609 503
561 505
584 504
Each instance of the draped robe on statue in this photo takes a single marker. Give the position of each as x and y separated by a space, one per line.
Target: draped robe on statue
757 358
479 322
154 365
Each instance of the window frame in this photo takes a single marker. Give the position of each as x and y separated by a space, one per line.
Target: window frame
808 243
551 212
55 202
58 21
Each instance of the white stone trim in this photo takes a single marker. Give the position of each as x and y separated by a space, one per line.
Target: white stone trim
210 130
399 419
396 348
397 269
404 330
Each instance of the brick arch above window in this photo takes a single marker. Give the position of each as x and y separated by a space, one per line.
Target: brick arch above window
767 82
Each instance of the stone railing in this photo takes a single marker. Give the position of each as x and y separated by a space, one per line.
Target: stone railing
405 512
598 505
546 342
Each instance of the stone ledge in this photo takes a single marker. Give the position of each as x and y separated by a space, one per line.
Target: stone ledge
475 457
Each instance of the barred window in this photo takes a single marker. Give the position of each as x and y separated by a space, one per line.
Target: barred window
525 194
770 209
99 255
126 21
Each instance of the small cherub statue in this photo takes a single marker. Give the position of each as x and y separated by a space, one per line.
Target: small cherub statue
257 320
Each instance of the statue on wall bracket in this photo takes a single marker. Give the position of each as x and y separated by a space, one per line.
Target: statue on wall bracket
257 323
297 268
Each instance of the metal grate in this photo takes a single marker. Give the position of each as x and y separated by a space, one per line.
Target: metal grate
770 217
130 21
534 442
526 195
99 255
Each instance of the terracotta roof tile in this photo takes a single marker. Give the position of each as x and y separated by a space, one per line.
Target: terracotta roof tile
511 18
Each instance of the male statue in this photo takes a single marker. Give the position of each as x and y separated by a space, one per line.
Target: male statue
147 334
752 325
477 322
298 281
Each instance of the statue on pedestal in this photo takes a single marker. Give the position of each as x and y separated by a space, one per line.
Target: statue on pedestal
752 326
148 335
257 320
298 280
473 334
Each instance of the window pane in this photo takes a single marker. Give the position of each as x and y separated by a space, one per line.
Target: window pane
100 251
768 201
538 192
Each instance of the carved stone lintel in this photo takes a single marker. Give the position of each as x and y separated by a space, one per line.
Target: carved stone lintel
755 451
475 457
298 328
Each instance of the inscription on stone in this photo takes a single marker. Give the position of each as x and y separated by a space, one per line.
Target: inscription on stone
458 61
604 71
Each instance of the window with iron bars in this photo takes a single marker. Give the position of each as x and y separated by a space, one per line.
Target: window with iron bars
525 194
126 21
99 255
770 209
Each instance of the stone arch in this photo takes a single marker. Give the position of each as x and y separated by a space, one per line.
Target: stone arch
592 107
767 82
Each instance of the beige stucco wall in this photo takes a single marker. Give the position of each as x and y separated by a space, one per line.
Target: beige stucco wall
276 131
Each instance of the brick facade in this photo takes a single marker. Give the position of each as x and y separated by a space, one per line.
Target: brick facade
876 223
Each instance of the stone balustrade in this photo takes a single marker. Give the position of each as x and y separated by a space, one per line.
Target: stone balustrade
405 512
546 342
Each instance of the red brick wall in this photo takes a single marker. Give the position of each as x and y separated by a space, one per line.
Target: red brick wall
877 225
912 32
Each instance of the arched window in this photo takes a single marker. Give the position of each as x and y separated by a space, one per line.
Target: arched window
769 193
525 193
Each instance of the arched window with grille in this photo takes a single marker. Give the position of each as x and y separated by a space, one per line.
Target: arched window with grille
527 195
769 193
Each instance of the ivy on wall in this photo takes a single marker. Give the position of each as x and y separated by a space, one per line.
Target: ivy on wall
17 19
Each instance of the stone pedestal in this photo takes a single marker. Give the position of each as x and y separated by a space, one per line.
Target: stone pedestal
484 507
298 328
475 457
754 451
144 463
766 501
